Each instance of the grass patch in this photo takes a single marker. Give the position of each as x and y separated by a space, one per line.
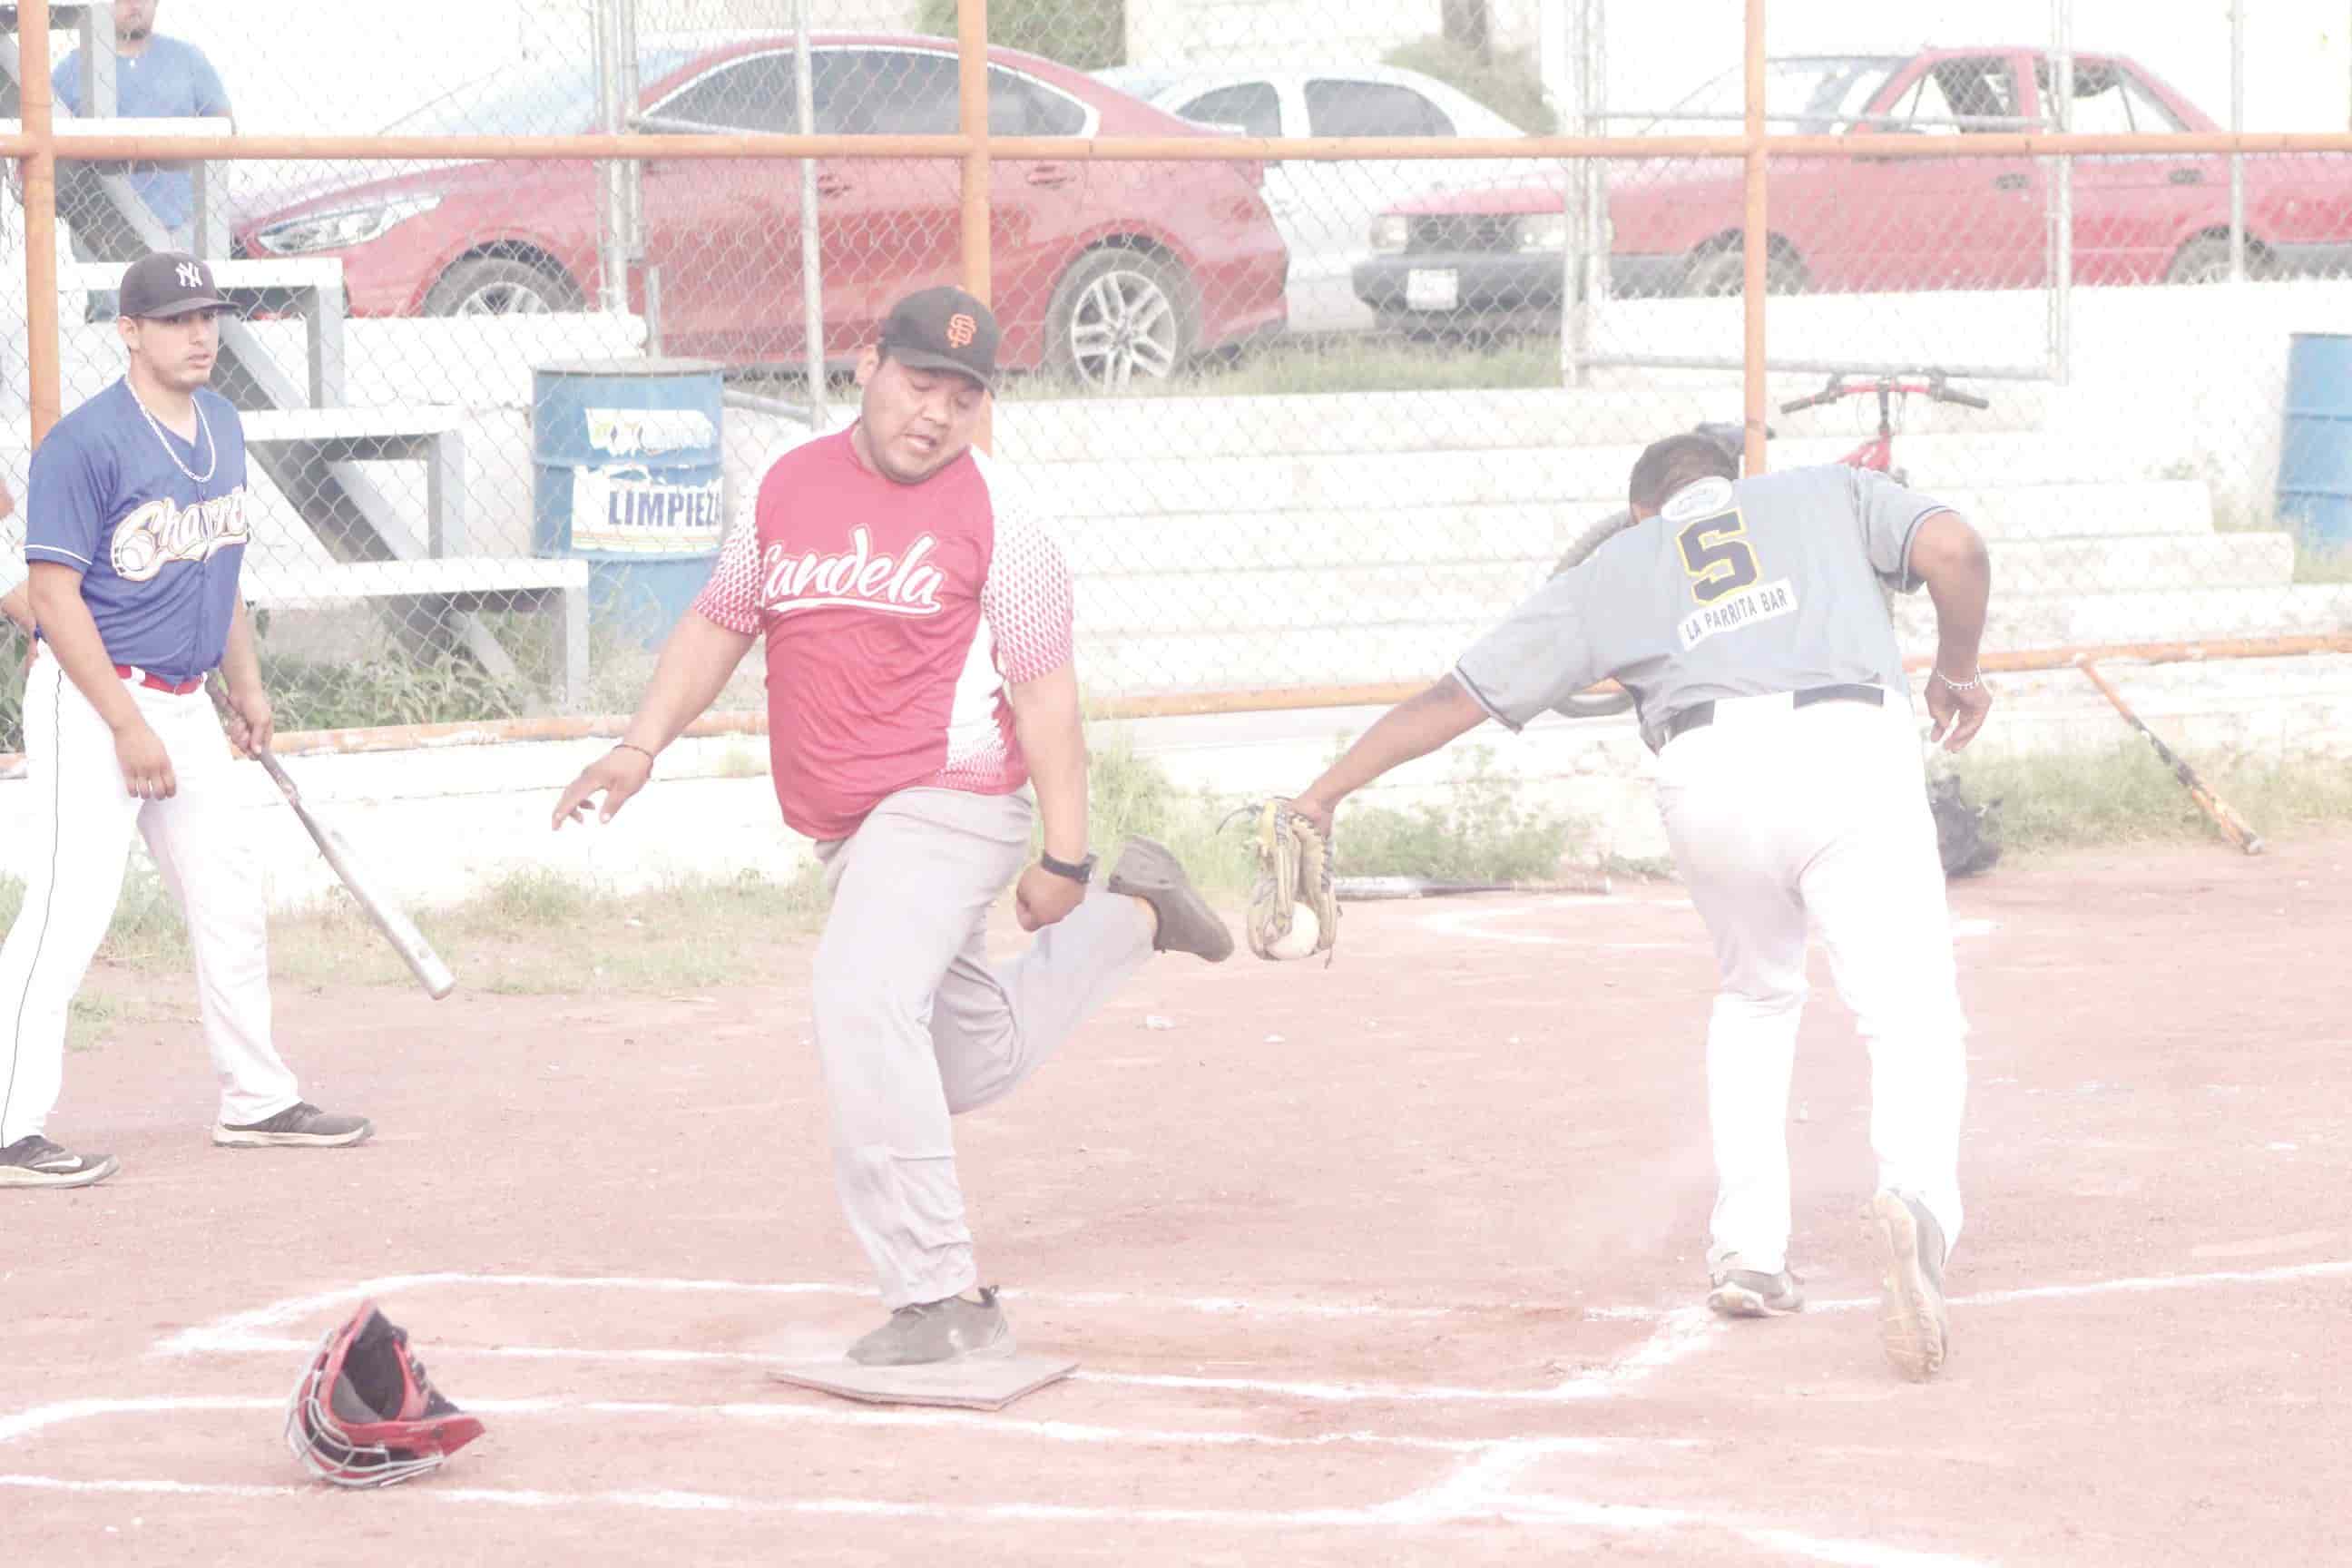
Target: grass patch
2127 796
536 934
1480 833
2320 563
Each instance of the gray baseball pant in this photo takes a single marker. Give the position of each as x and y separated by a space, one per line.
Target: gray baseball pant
914 1026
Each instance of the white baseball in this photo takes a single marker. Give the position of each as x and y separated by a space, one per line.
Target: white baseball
1306 930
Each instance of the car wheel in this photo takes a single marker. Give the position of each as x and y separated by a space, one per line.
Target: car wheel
500 286
2206 259
1723 274
1118 317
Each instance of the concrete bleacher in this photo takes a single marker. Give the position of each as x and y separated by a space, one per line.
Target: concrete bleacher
1368 538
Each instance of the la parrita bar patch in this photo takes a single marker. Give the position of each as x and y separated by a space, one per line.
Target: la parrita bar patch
1763 602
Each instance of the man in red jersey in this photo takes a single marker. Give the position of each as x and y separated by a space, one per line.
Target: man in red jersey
920 691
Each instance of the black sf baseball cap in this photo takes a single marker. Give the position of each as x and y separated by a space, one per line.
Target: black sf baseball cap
168 283
941 328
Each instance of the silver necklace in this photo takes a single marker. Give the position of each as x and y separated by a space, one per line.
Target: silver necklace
204 438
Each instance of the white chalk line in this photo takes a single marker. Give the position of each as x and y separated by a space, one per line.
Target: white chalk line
1677 1334
1479 1490
201 1340
1434 1508
29 1423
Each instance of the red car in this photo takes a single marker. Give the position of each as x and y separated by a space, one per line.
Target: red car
1104 272
1493 258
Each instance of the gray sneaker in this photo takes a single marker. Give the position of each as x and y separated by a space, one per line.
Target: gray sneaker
1914 1323
33 1161
1746 1293
1151 872
932 1332
301 1125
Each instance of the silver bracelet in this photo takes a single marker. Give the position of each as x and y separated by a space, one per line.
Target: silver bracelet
1968 685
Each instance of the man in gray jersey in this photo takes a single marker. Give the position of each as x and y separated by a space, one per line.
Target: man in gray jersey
1746 617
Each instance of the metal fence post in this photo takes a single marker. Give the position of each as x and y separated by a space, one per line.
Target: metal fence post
1576 80
611 285
38 112
812 260
971 118
2238 128
1755 238
2062 199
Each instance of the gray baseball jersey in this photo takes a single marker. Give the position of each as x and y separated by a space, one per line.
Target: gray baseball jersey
1734 589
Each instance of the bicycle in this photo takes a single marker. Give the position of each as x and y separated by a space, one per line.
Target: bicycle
1876 453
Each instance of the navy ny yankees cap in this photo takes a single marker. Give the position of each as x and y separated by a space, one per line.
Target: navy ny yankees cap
943 329
168 283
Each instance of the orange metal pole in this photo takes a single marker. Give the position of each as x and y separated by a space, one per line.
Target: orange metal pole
1268 699
972 107
1754 245
47 395
972 122
1179 149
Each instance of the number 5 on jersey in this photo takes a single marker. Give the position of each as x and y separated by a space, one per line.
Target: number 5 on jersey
1717 557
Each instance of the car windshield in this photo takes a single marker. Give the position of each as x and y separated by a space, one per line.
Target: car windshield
550 97
1811 95
1145 85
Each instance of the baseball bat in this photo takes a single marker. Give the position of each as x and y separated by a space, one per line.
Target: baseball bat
397 928
2211 804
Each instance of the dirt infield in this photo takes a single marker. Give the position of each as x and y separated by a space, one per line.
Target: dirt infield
1396 1261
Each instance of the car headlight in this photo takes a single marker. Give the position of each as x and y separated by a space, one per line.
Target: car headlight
1392 232
338 230
1543 231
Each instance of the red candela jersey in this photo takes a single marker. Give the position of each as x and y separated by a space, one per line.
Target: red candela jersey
895 617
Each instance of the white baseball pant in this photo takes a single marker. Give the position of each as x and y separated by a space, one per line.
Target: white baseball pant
1777 814
78 826
914 1026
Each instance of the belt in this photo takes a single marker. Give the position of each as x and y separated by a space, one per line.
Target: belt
157 683
1698 715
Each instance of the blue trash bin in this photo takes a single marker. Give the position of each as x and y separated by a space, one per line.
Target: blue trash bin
2314 482
629 477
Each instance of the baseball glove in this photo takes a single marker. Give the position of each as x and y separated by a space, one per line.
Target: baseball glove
1293 910
1968 835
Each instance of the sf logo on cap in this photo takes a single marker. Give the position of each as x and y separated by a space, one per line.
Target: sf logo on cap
961 330
191 274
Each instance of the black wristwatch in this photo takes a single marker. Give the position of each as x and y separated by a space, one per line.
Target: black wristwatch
1080 873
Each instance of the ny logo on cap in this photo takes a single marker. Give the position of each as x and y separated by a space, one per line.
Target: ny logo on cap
191 274
961 330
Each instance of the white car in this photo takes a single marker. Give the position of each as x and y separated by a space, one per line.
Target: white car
1325 211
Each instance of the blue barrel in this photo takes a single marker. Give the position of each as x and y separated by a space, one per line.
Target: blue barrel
2314 482
629 477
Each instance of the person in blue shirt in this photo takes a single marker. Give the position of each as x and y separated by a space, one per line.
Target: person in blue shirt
135 529
156 78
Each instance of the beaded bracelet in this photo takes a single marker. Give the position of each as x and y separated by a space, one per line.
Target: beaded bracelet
1968 685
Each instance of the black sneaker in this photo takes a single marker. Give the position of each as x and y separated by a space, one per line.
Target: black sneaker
33 1161
1151 872
1914 1323
301 1125
933 1332
1747 1293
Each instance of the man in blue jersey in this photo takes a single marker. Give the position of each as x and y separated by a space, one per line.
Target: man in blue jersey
134 532
156 78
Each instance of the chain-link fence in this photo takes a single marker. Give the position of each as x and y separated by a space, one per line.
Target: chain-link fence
1303 422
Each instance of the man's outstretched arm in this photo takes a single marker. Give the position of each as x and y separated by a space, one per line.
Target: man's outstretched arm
1413 728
